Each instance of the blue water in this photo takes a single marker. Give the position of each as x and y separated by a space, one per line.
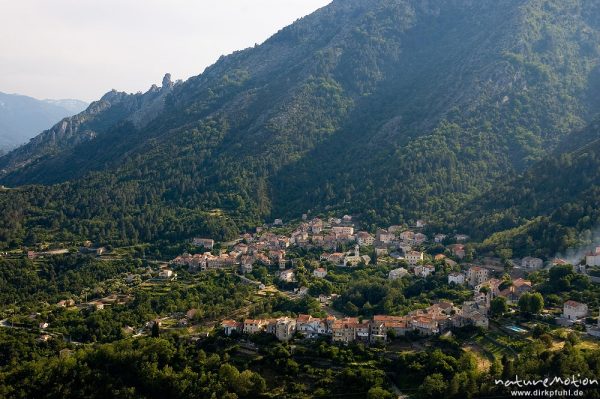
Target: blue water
516 329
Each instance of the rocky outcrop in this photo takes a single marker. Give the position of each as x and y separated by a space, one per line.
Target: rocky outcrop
112 109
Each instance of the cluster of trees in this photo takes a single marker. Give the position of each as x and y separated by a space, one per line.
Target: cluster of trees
24 281
141 368
550 208
369 292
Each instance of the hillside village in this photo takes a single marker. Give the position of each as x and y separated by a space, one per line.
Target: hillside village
395 244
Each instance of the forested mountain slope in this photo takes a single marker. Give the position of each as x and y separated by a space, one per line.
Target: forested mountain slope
549 208
386 108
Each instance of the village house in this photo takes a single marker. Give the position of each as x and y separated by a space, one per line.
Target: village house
397 273
350 329
283 328
407 236
424 271
346 218
477 275
320 272
364 239
353 259
414 257
336 258
221 261
316 226
241 248
311 327
405 248
381 250
420 238
493 284
299 237
394 228
439 238
456 278
593 258
252 326
458 250
204 242
381 325
287 275
384 236
421 224
531 263
475 312
66 303
461 237
342 230
246 264
278 222
516 290
166 274
425 325
573 310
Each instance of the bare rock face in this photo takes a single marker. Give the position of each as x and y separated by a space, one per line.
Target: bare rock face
167 83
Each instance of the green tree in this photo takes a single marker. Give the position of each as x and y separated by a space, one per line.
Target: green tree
498 306
434 386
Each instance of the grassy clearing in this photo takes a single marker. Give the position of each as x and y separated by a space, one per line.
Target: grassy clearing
484 359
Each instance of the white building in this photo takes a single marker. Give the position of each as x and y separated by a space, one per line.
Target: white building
532 263
593 258
287 276
320 272
457 278
166 273
573 310
397 273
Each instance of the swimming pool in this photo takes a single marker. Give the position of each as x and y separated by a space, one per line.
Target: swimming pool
517 329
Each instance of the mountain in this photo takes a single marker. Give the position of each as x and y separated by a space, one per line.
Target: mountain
22 117
112 109
551 207
390 109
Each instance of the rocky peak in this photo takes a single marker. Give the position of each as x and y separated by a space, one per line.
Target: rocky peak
167 83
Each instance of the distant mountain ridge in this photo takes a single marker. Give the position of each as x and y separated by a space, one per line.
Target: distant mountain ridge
22 117
392 110
112 109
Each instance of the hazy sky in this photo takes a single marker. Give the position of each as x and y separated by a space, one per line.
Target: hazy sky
83 48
